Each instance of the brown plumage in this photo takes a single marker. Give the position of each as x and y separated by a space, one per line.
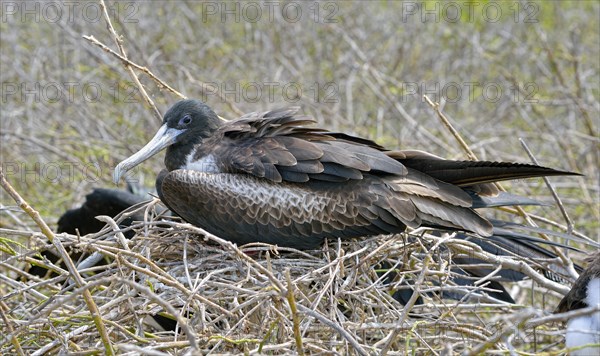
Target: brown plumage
268 177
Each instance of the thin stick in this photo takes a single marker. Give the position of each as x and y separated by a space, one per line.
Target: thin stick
126 61
346 335
132 74
294 311
552 190
553 318
7 322
446 122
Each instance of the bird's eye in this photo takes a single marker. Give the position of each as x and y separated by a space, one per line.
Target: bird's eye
186 120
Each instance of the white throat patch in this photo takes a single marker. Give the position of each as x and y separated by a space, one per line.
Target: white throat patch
206 164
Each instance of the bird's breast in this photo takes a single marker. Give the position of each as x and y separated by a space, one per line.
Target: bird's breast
236 193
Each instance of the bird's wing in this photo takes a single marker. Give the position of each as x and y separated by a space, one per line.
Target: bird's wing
275 145
278 146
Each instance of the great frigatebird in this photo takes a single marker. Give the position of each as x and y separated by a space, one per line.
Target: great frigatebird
267 177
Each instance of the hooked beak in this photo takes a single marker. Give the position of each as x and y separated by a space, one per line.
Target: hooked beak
164 137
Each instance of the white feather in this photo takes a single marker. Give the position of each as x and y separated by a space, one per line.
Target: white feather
206 164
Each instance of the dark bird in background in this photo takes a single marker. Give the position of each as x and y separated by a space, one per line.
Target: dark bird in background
585 329
82 220
267 177
101 201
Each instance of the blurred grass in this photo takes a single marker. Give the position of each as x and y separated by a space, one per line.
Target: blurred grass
357 75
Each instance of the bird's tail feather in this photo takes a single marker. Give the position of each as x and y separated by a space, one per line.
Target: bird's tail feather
467 173
502 199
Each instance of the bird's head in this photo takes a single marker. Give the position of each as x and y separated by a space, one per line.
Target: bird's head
187 122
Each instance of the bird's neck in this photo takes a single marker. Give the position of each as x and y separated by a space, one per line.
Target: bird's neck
177 154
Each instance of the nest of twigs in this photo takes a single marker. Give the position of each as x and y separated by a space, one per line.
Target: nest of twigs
220 298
